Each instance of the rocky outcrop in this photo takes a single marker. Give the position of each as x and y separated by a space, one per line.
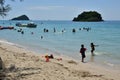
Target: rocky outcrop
90 16
22 17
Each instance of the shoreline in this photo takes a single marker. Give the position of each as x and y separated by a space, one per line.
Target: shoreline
95 60
30 65
68 43
90 59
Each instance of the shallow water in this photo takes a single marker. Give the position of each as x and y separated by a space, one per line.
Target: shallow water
105 34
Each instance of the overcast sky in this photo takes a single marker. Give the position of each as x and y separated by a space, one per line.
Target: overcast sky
63 9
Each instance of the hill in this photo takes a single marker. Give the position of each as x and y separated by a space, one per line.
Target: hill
90 16
22 17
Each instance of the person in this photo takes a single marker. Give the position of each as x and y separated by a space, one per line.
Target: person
41 37
82 51
92 48
22 32
32 33
54 30
50 56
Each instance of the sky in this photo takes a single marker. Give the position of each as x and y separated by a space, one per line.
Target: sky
62 9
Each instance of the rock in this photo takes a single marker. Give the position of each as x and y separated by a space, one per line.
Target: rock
22 17
1 64
2 76
12 67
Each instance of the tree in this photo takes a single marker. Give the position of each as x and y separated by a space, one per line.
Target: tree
4 8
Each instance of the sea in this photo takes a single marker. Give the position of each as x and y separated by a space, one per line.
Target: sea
61 39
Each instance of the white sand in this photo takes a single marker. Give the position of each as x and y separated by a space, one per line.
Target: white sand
21 64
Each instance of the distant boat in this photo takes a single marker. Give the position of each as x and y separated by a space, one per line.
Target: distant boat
9 27
29 25
21 25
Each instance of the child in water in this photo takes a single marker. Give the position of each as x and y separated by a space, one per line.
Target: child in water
82 51
92 48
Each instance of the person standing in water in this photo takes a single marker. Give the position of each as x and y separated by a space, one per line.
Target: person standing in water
92 48
82 51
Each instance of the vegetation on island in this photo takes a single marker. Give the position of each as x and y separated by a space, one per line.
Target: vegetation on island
22 17
90 16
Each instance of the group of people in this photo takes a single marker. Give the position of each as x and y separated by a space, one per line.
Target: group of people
83 49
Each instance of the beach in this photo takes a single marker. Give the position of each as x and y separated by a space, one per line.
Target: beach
65 42
52 40
22 64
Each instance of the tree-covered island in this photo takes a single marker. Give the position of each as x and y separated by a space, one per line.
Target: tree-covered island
22 17
90 16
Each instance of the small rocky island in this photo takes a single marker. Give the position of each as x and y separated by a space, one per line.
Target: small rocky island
22 17
90 16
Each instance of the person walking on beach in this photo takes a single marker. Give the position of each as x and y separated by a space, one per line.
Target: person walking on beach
82 51
92 48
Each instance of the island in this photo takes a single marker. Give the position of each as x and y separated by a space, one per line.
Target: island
22 17
88 16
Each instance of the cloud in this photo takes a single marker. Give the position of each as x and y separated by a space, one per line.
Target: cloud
45 7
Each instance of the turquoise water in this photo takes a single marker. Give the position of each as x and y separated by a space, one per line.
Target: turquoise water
105 34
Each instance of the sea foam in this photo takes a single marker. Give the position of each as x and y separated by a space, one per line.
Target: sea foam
6 42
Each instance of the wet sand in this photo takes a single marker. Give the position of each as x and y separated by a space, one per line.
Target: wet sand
21 64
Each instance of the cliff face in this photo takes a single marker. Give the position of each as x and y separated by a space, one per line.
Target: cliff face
22 17
91 16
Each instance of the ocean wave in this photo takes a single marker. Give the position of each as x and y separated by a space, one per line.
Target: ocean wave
6 42
100 54
108 63
96 53
12 44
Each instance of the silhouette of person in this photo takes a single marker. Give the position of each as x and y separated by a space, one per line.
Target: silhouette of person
92 48
82 51
54 30
41 37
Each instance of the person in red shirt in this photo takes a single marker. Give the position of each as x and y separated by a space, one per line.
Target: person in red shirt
82 51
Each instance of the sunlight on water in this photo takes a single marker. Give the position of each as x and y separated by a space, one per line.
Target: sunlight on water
64 41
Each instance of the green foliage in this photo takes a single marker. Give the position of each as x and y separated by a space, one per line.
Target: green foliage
89 16
4 8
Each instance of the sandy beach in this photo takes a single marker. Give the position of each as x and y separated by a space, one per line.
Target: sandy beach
21 64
